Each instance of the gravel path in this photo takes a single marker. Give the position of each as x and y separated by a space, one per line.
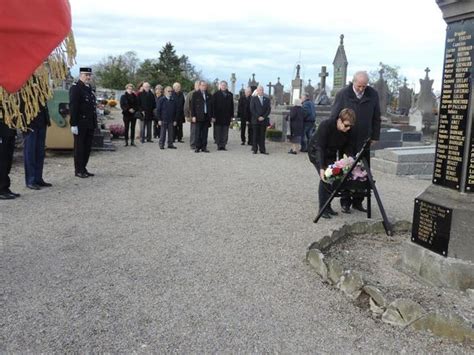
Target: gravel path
172 251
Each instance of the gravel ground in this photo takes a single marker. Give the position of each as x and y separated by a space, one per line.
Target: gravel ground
172 251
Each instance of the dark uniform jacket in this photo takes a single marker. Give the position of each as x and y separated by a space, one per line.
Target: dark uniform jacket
167 110
5 131
197 106
259 110
147 103
367 111
223 107
128 101
243 109
82 106
179 98
329 144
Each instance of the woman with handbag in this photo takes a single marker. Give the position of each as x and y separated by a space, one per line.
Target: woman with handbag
129 105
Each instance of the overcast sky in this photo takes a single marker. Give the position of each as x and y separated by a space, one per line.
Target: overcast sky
267 38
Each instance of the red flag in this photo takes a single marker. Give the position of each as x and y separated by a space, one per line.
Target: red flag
29 31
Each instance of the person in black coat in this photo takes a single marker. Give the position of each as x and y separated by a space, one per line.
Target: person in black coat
223 109
364 100
331 141
260 110
201 113
296 116
146 104
82 108
167 113
34 140
243 112
180 99
129 106
7 147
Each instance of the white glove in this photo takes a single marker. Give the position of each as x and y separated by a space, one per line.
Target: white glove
74 130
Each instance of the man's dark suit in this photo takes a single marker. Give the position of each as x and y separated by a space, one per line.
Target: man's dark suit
259 107
223 112
201 108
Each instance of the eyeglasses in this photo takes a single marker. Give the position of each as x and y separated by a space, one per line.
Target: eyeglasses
347 125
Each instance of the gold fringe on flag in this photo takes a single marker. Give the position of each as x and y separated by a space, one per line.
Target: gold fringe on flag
20 108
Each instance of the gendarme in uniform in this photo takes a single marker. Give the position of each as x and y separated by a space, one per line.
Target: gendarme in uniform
82 106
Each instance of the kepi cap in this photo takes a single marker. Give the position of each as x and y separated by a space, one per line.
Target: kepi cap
85 70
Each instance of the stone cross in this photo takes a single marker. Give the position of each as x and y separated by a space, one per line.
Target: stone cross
427 70
298 67
270 88
323 76
233 80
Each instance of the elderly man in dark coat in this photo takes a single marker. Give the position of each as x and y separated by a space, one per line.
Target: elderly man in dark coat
223 109
167 114
201 113
260 109
364 100
180 99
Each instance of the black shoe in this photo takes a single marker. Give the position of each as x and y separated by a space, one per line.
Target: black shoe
224 148
243 143
331 211
33 187
13 193
133 144
346 209
249 143
254 152
180 141
205 150
161 147
265 153
89 174
326 215
7 196
193 147
149 140
291 151
197 150
82 175
359 207
171 147
44 184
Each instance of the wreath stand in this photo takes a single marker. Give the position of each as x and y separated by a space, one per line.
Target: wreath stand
365 186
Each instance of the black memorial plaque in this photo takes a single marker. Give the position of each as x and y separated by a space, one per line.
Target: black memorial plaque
431 226
454 108
470 164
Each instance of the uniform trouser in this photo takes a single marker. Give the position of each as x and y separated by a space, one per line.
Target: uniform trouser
82 149
202 129
7 146
222 135
146 131
129 123
307 133
243 126
258 139
166 128
192 135
214 133
156 130
178 131
33 154
324 192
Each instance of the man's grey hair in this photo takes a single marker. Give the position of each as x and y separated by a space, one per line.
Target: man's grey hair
224 82
202 82
197 82
360 73
260 86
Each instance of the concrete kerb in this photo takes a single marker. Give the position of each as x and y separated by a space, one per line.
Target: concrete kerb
401 312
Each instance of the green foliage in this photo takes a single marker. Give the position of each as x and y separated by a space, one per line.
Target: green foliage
115 72
391 76
273 133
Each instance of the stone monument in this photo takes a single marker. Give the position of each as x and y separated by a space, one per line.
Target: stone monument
382 89
233 80
322 98
404 98
441 250
278 93
309 89
426 102
269 86
252 83
296 86
340 68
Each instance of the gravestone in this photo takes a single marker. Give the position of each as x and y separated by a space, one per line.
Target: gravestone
242 91
296 86
442 247
404 98
317 91
323 75
269 86
278 92
323 98
340 68
233 80
426 102
253 83
382 89
309 89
